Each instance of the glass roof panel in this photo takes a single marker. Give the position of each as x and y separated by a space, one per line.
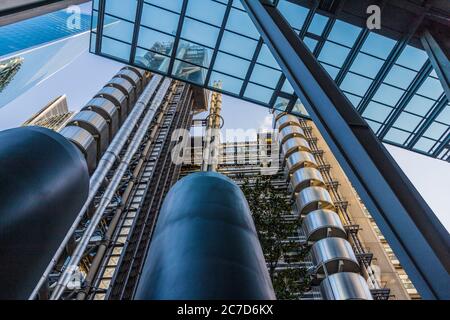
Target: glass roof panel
238 45
118 29
265 76
174 5
229 84
240 22
400 77
294 14
334 54
265 57
155 40
366 65
431 88
378 45
318 24
160 19
412 58
199 32
231 65
208 11
344 33
122 8
217 41
257 92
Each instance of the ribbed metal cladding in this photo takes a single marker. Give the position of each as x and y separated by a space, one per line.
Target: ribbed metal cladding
107 110
333 255
345 286
335 264
287 120
96 125
294 144
300 159
320 224
133 76
126 87
85 142
306 177
289 132
313 198
118 98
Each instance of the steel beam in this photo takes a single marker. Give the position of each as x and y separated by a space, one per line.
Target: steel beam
437 45
418 238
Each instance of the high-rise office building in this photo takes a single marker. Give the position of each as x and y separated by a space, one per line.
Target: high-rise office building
305 161
8 69
53 116
40 30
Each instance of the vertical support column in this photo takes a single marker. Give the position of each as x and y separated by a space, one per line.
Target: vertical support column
437 45
410 226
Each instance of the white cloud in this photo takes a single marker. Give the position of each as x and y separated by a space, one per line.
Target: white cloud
266 123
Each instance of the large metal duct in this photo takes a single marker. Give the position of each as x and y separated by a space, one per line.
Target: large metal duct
321 224
205 245
108 111
300 159
306 177
44 183
287 120
313 198
96 125
118 98
132 75
333 255
345 286
294 144
126 87
85 142
143 75
289 132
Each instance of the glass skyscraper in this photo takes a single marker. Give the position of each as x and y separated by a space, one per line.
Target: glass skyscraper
39 30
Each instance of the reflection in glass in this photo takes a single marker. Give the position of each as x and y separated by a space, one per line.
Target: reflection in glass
155 41
116 49
189 72
194 53
152 60
229 84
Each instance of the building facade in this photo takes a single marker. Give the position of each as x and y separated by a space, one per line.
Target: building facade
8 69
307 163
53 116
40 30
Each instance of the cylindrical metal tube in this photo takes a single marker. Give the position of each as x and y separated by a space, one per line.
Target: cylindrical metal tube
294 144
289 132
333 255
110 191
205 245
306 177
313 198
300 159
321 224
345 286
44 183
286 120
105 164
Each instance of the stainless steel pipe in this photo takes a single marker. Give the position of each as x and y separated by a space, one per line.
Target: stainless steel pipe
104 165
